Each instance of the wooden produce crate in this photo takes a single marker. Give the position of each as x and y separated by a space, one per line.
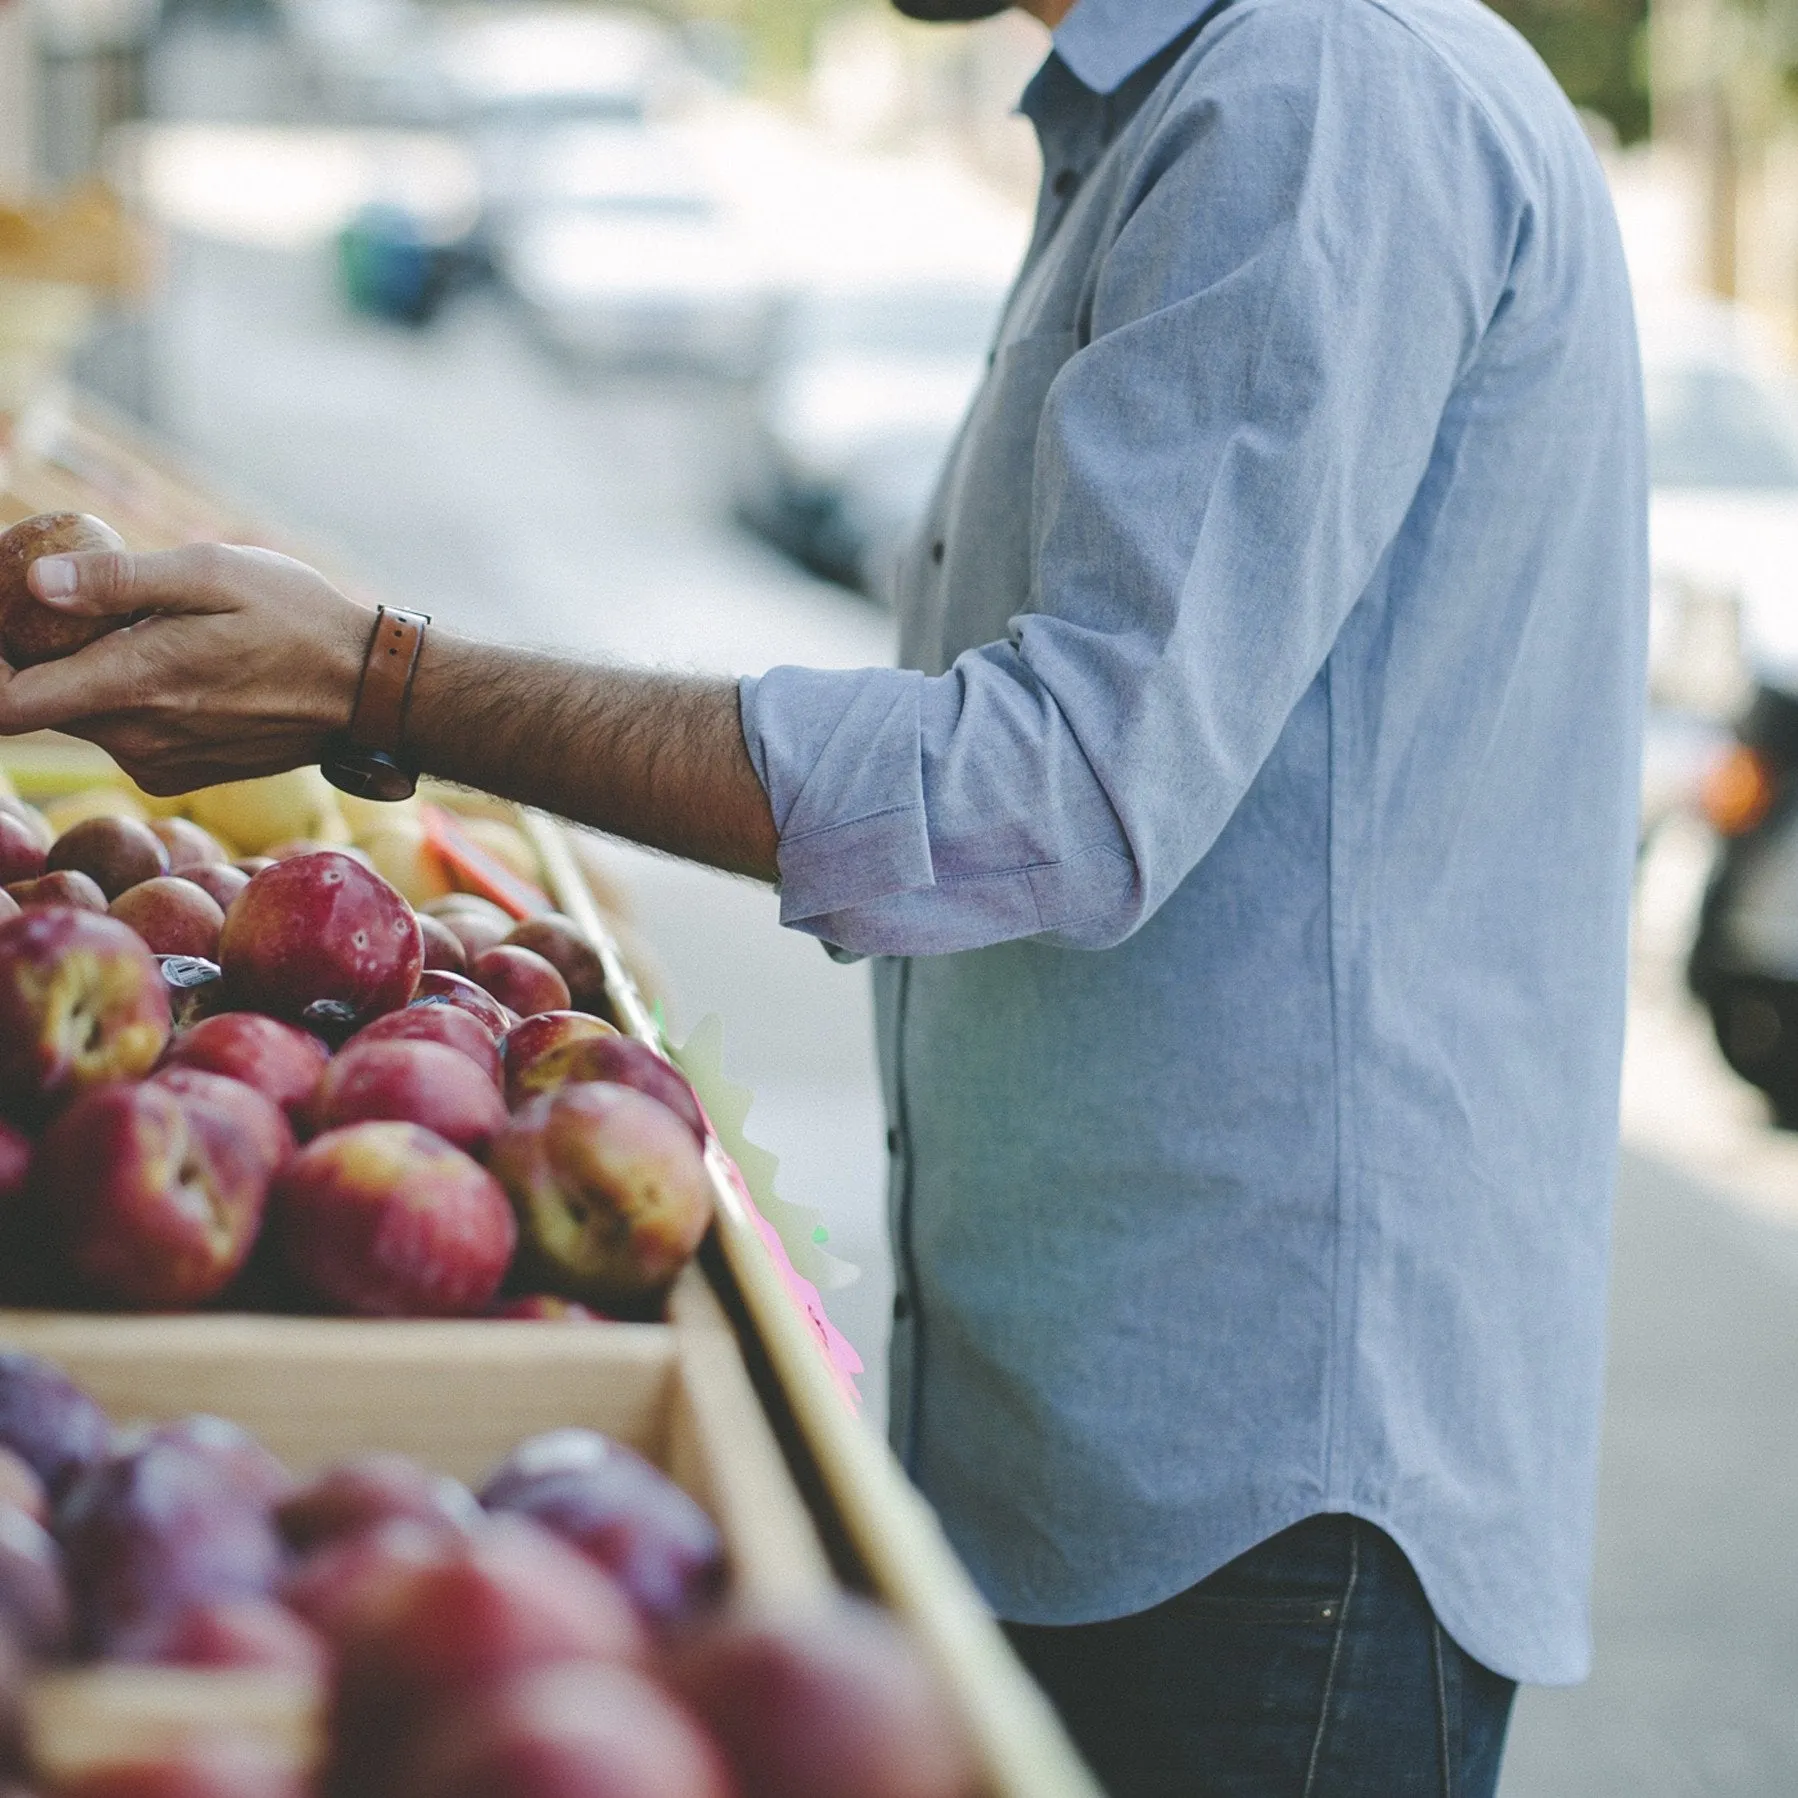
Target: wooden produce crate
456 1396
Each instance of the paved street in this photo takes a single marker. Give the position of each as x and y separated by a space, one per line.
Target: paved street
460 472
1697 1666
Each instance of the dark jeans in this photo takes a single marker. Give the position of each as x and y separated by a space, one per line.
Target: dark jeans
1310 1667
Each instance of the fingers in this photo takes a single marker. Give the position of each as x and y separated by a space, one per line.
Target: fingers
107 676
203 577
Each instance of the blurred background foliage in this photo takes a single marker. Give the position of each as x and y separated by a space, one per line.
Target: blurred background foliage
1597 50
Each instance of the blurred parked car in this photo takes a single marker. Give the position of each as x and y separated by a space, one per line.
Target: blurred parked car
861 405
1723 531
482 67
1723 520
620 253
1723 451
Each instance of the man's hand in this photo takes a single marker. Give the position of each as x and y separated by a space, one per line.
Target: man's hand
245 664
248 661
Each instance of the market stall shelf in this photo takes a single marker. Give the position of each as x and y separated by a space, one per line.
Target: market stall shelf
731 1394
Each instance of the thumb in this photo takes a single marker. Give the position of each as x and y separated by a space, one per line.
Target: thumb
106 582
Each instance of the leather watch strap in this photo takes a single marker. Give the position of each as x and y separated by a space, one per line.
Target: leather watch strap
382 698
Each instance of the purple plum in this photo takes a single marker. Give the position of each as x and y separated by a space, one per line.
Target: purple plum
152 1530
230 1448
34 1597
49 1422
621 1512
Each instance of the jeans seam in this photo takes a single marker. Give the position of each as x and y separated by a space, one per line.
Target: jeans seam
1448 1765
1323 1712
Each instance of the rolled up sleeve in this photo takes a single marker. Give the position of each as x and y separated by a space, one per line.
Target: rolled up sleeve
1317 234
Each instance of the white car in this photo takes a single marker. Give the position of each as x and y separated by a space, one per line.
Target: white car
1723 512
1723 537
861 405
621 253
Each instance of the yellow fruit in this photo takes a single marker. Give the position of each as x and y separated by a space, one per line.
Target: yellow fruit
506 843
91 802
278 809
154 807
400 854
465 802
366 816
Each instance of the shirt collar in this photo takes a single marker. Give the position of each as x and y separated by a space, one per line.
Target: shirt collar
1104 42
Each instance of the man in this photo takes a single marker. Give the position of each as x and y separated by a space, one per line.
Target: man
1245 849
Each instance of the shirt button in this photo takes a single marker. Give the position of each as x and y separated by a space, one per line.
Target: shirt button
1066 180
892 1142
936 552
901 1307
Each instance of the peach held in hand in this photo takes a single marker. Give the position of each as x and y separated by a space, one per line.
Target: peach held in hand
389 1220
81 1002
31 632
321 927
155 1201
610 1189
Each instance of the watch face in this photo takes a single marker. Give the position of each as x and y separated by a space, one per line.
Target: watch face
367 773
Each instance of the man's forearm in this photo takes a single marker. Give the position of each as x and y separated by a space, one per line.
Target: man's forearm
658 758
240 662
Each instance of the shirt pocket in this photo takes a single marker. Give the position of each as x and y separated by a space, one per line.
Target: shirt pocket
987 527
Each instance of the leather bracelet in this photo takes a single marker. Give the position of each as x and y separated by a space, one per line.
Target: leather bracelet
365 759
384 693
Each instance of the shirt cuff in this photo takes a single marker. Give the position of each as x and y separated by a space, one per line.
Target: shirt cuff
839 755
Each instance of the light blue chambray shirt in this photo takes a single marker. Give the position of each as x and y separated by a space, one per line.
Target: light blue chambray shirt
1247 837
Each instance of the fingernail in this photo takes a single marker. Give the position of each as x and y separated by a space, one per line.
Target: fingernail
55 578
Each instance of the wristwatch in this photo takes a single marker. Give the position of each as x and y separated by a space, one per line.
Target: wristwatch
366 759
